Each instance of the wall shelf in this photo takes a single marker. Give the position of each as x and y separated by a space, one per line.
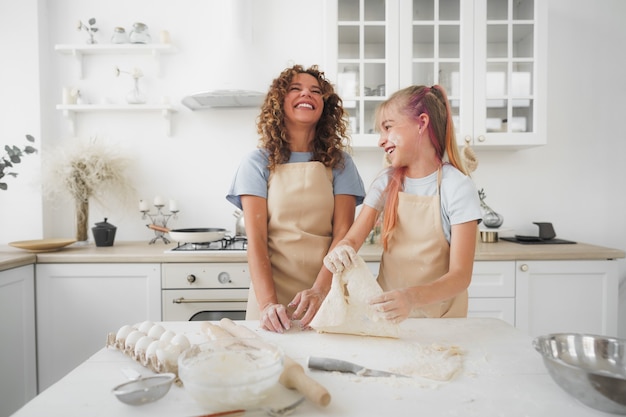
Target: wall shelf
70 111
79 50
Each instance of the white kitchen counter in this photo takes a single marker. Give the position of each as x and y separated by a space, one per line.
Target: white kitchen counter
502 376
142 252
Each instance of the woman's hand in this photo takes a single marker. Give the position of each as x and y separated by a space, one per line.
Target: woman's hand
274 318
341 258
306 303
395 305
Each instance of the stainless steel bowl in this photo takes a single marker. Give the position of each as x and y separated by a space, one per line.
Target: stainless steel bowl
590 368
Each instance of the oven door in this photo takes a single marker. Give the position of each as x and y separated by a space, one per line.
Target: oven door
204 304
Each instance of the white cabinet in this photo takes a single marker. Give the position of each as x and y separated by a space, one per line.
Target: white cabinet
567 296
489 55
543 297
492 291
79 304
18 379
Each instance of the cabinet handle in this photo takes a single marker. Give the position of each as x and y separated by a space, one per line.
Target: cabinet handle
523 267
468 139
191 278
481 138
182 300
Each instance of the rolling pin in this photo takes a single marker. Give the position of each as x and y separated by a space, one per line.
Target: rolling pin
293 376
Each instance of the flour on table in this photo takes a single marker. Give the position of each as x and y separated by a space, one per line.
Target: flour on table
346 309
436 361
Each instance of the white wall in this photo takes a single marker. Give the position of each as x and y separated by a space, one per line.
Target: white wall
20 204
577 181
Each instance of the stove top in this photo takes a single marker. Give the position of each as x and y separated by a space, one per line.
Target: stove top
228 243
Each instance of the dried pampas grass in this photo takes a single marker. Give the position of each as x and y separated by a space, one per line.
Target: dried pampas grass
89 169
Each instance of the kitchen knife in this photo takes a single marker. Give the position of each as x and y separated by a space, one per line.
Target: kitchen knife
330 364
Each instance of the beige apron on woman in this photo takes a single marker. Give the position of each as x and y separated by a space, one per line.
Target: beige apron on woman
418 252
300 205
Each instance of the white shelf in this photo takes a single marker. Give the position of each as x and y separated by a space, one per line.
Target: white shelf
79 50
70 110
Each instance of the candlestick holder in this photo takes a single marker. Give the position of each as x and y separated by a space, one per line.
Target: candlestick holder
159 219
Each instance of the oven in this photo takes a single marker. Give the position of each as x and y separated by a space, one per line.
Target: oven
204 291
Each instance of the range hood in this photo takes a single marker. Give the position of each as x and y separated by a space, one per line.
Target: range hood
224 98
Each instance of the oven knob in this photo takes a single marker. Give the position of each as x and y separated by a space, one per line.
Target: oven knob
224 278
191 278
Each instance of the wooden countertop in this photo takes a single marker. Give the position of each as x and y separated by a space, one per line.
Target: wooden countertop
142 252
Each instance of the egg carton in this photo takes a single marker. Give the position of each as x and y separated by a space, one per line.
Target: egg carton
150 345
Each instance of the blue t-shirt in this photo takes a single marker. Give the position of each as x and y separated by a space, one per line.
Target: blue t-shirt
252 177
459 197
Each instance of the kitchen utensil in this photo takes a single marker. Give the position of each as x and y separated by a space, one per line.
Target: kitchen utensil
144 389
270 411
42 245
338 365
193 235
293 376
590 368
230 372
104 233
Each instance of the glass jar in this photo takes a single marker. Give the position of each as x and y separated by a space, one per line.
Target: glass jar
119 35
140 33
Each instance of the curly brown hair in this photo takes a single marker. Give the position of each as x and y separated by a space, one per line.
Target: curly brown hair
330 133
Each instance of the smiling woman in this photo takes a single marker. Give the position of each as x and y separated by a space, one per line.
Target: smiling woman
298 193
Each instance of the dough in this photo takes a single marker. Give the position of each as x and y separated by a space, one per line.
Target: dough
346 309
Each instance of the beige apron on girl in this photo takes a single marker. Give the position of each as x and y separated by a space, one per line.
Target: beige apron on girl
418 252
300 205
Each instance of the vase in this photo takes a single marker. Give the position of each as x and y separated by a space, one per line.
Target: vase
135 96
82 220
491 219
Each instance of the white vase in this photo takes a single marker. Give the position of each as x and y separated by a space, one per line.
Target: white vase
135 96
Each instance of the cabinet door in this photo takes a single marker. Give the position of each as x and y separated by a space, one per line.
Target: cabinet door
567 296
492 290
509 74
79 304
18 379
362 59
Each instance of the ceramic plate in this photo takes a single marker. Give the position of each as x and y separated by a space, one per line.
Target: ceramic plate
42 245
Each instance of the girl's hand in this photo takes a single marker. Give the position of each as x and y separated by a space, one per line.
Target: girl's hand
395 305
342 257
274 318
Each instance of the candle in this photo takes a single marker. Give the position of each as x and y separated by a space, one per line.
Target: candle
158 201
143 206
173 205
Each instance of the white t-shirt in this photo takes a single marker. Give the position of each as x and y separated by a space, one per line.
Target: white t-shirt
459 197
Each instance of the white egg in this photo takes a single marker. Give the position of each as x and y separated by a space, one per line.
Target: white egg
142 344
152 348
180 340
123 333
132 338
146 326
168 355
156 331
167 336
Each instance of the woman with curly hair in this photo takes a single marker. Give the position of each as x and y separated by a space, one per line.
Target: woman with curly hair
298 192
